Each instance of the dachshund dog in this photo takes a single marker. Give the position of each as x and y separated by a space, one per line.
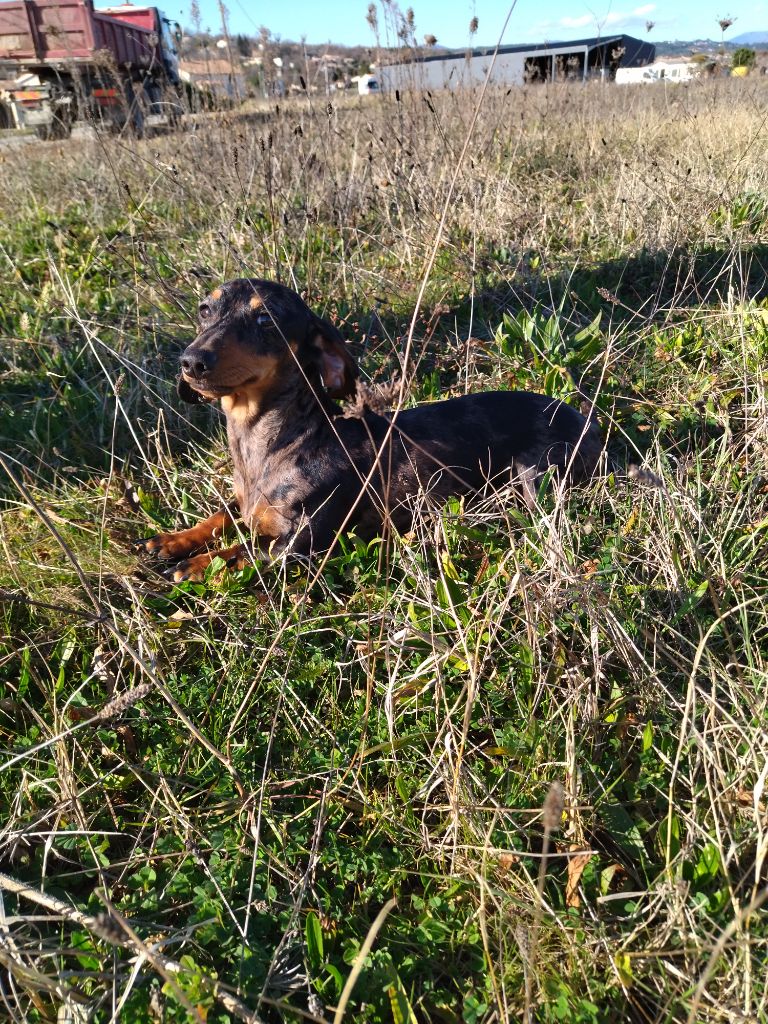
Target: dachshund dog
303 472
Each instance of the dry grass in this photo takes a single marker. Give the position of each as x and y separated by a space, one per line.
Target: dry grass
211 792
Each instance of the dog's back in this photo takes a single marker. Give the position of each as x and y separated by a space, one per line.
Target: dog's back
450 448
487 434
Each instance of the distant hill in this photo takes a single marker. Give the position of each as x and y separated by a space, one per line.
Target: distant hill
669 46
676 46
751 39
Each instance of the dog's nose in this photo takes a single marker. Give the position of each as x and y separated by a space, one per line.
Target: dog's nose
196 364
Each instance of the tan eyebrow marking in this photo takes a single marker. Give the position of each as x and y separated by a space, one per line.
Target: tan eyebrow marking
216 294
256 302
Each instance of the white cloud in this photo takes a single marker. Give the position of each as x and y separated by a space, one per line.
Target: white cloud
612 19
591 24
585 19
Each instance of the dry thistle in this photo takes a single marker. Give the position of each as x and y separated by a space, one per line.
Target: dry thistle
552 814
523 940
115 708
644 476
609 296
553 807
377 398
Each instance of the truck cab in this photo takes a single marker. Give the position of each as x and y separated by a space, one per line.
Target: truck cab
168 32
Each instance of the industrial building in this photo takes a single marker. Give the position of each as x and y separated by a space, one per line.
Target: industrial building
577 60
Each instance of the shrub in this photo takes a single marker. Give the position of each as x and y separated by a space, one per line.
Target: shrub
744 57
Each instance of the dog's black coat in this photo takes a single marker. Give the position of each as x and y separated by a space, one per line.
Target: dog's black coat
303 471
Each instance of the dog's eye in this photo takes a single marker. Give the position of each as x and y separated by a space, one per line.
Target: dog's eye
264 320
204 311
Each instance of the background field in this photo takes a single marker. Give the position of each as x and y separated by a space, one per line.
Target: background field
542 734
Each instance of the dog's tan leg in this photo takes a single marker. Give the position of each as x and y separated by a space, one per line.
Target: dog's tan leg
194 568
173 546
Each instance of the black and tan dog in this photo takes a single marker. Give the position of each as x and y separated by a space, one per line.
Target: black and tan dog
303 472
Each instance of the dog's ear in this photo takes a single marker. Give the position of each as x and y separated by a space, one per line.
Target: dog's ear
338 368
187 393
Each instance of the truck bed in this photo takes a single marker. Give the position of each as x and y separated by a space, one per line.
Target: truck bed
56 32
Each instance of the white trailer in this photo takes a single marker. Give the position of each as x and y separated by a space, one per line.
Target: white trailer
659 71
366 84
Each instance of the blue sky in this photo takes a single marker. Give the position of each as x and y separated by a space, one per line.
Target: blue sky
344 21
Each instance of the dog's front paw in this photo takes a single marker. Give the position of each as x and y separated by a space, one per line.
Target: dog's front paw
190 568
168 546
194 568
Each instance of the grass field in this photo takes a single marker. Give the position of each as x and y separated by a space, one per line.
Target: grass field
511 766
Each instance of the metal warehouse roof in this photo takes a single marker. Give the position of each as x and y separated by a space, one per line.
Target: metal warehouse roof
637 51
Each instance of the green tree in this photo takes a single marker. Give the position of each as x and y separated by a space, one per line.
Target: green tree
743 57
243 45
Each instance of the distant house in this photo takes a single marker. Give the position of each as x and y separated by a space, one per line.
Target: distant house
578 60
215 76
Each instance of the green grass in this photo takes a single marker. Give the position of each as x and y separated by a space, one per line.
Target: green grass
543 734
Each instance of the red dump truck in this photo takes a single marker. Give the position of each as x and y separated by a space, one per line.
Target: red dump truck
61 62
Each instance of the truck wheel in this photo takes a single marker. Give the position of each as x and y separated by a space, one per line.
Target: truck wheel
60 128
135 113
174 98
57 128
137 121
154 95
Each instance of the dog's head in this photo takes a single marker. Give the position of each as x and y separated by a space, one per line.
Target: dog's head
255 336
